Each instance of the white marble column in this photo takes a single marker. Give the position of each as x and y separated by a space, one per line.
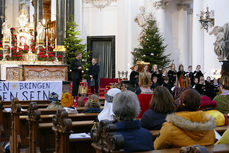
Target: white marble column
159 10
78 18
53 10
198 37
124 35
189 35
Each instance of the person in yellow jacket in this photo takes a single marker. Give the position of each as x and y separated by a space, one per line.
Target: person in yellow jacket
225 138
187 126
208 106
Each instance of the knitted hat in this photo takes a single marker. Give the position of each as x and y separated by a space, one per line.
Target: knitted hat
53 97
206 101
66 100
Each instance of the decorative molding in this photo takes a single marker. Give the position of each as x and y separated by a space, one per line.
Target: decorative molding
160 4
100 3
13 74
183 6
40 73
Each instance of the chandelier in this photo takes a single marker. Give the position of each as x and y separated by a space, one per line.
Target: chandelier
206 19
100 3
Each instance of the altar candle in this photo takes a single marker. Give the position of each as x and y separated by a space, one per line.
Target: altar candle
46 41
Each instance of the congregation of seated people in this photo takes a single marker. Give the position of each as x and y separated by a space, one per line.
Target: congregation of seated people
185 109
186 120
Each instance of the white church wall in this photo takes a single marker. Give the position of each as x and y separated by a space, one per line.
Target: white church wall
174 29
220 14
118 20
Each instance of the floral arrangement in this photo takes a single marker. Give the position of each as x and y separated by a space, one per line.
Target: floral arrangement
42 56
51 56
26 49
59 57
0 43
15 53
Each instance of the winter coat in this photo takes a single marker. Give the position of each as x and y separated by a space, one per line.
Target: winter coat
225 138
144 101
92 110
186 128
136 138
219 117
223 103
152 120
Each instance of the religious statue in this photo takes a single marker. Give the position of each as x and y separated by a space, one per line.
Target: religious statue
5 31
141 20
222 41
40 32
23 19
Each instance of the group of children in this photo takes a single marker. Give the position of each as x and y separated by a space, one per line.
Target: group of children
181 79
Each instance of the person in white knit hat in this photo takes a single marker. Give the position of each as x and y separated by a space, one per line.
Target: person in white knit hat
107 113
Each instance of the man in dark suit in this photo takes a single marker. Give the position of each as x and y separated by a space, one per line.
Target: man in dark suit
93 73
76 73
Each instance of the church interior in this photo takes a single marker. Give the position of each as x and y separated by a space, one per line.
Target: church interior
113 76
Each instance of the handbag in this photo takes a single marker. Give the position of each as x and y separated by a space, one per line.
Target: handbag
91 82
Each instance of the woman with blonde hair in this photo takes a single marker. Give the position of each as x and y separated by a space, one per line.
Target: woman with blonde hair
172 73
93 105
144 84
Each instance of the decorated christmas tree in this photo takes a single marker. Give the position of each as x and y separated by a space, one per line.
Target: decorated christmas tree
151 48
73 44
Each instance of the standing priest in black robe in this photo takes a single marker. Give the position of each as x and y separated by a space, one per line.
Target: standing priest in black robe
93 73
76 74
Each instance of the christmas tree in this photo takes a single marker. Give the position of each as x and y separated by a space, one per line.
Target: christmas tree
73 44
151 48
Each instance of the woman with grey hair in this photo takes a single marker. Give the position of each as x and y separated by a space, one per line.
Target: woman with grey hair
126 108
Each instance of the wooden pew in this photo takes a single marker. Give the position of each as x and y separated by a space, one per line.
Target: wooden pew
62 126
74 117
15 135
33 120
46 139
25 104
1 127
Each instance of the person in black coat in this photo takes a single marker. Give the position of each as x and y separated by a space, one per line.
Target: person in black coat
197 73
134 77
190 75
76 73
166 83
93 73
210 89
155 72
154 83
161 104
172 74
